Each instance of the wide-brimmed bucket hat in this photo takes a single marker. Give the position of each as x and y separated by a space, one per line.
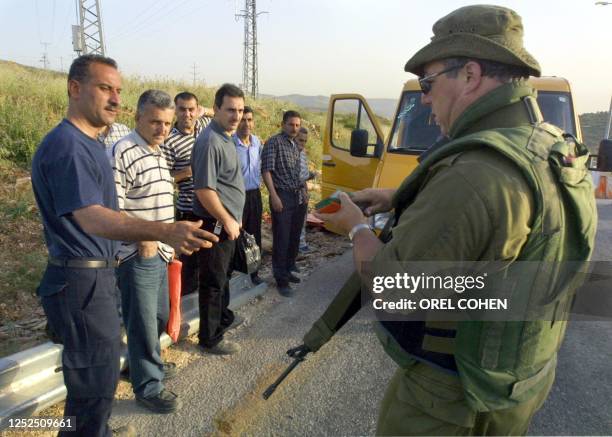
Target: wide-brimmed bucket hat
485 32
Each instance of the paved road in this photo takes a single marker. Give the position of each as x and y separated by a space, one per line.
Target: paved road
337 390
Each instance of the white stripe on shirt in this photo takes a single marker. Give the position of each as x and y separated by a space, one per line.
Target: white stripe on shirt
144 187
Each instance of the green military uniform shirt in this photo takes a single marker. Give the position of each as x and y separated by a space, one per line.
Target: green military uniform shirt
473 206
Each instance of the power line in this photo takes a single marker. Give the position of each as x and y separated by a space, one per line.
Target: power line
37 20
53 22
144 24
141 17
135 36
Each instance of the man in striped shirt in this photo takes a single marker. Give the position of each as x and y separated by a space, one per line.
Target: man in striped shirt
177 150
111 134
145 191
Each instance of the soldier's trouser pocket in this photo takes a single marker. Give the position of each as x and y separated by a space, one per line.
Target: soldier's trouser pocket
421 400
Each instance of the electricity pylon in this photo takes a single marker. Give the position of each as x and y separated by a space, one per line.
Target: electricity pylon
249 72
87 37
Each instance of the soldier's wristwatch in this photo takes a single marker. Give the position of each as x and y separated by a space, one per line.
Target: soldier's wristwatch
357 228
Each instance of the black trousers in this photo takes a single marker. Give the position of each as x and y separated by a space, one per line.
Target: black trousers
84 316
286 228
190 270
251 216
214 294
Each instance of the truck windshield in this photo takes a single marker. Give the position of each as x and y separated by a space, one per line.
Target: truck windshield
414 129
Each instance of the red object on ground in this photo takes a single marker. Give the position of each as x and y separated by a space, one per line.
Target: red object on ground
173 328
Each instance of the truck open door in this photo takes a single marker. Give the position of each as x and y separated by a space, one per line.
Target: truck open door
350 119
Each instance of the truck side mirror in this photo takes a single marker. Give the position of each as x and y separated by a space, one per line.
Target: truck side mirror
359 143
604 155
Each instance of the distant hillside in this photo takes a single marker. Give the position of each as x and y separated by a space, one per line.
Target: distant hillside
382 107
593 128
32 101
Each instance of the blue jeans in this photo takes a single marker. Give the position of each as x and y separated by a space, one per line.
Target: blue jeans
145 305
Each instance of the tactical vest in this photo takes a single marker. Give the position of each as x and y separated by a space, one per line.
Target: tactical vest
503 363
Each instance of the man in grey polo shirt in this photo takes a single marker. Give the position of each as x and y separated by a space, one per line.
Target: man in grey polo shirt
218 201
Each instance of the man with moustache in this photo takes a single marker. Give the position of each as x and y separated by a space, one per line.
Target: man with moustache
177 149
75 191
280 166
248 147
502 189
145 191
219 201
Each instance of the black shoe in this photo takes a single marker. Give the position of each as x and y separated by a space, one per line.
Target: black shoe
256 280
236 323
224 347
125 431
169 372
164 402
285 290
305 249
293 278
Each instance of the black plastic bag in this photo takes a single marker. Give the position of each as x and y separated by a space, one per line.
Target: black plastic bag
247 257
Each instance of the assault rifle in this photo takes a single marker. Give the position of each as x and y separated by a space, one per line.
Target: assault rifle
298 354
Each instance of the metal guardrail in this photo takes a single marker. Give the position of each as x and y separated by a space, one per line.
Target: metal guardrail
32 380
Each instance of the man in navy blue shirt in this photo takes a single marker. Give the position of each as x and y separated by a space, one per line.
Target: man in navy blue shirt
75 191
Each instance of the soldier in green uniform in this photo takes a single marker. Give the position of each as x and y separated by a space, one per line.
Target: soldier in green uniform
502 186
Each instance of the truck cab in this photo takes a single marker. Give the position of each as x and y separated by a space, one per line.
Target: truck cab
388 149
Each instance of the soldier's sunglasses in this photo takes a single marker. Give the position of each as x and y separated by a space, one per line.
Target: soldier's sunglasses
426 82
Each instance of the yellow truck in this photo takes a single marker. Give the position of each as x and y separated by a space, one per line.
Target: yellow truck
353 160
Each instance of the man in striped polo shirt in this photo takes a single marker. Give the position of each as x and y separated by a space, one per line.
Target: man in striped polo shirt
145 191
111 134
177 150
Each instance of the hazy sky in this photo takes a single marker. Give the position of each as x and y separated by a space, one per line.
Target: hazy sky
307 46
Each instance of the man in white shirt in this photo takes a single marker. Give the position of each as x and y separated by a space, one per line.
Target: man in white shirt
145 191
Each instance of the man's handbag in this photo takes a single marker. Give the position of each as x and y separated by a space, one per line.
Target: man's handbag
247 257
